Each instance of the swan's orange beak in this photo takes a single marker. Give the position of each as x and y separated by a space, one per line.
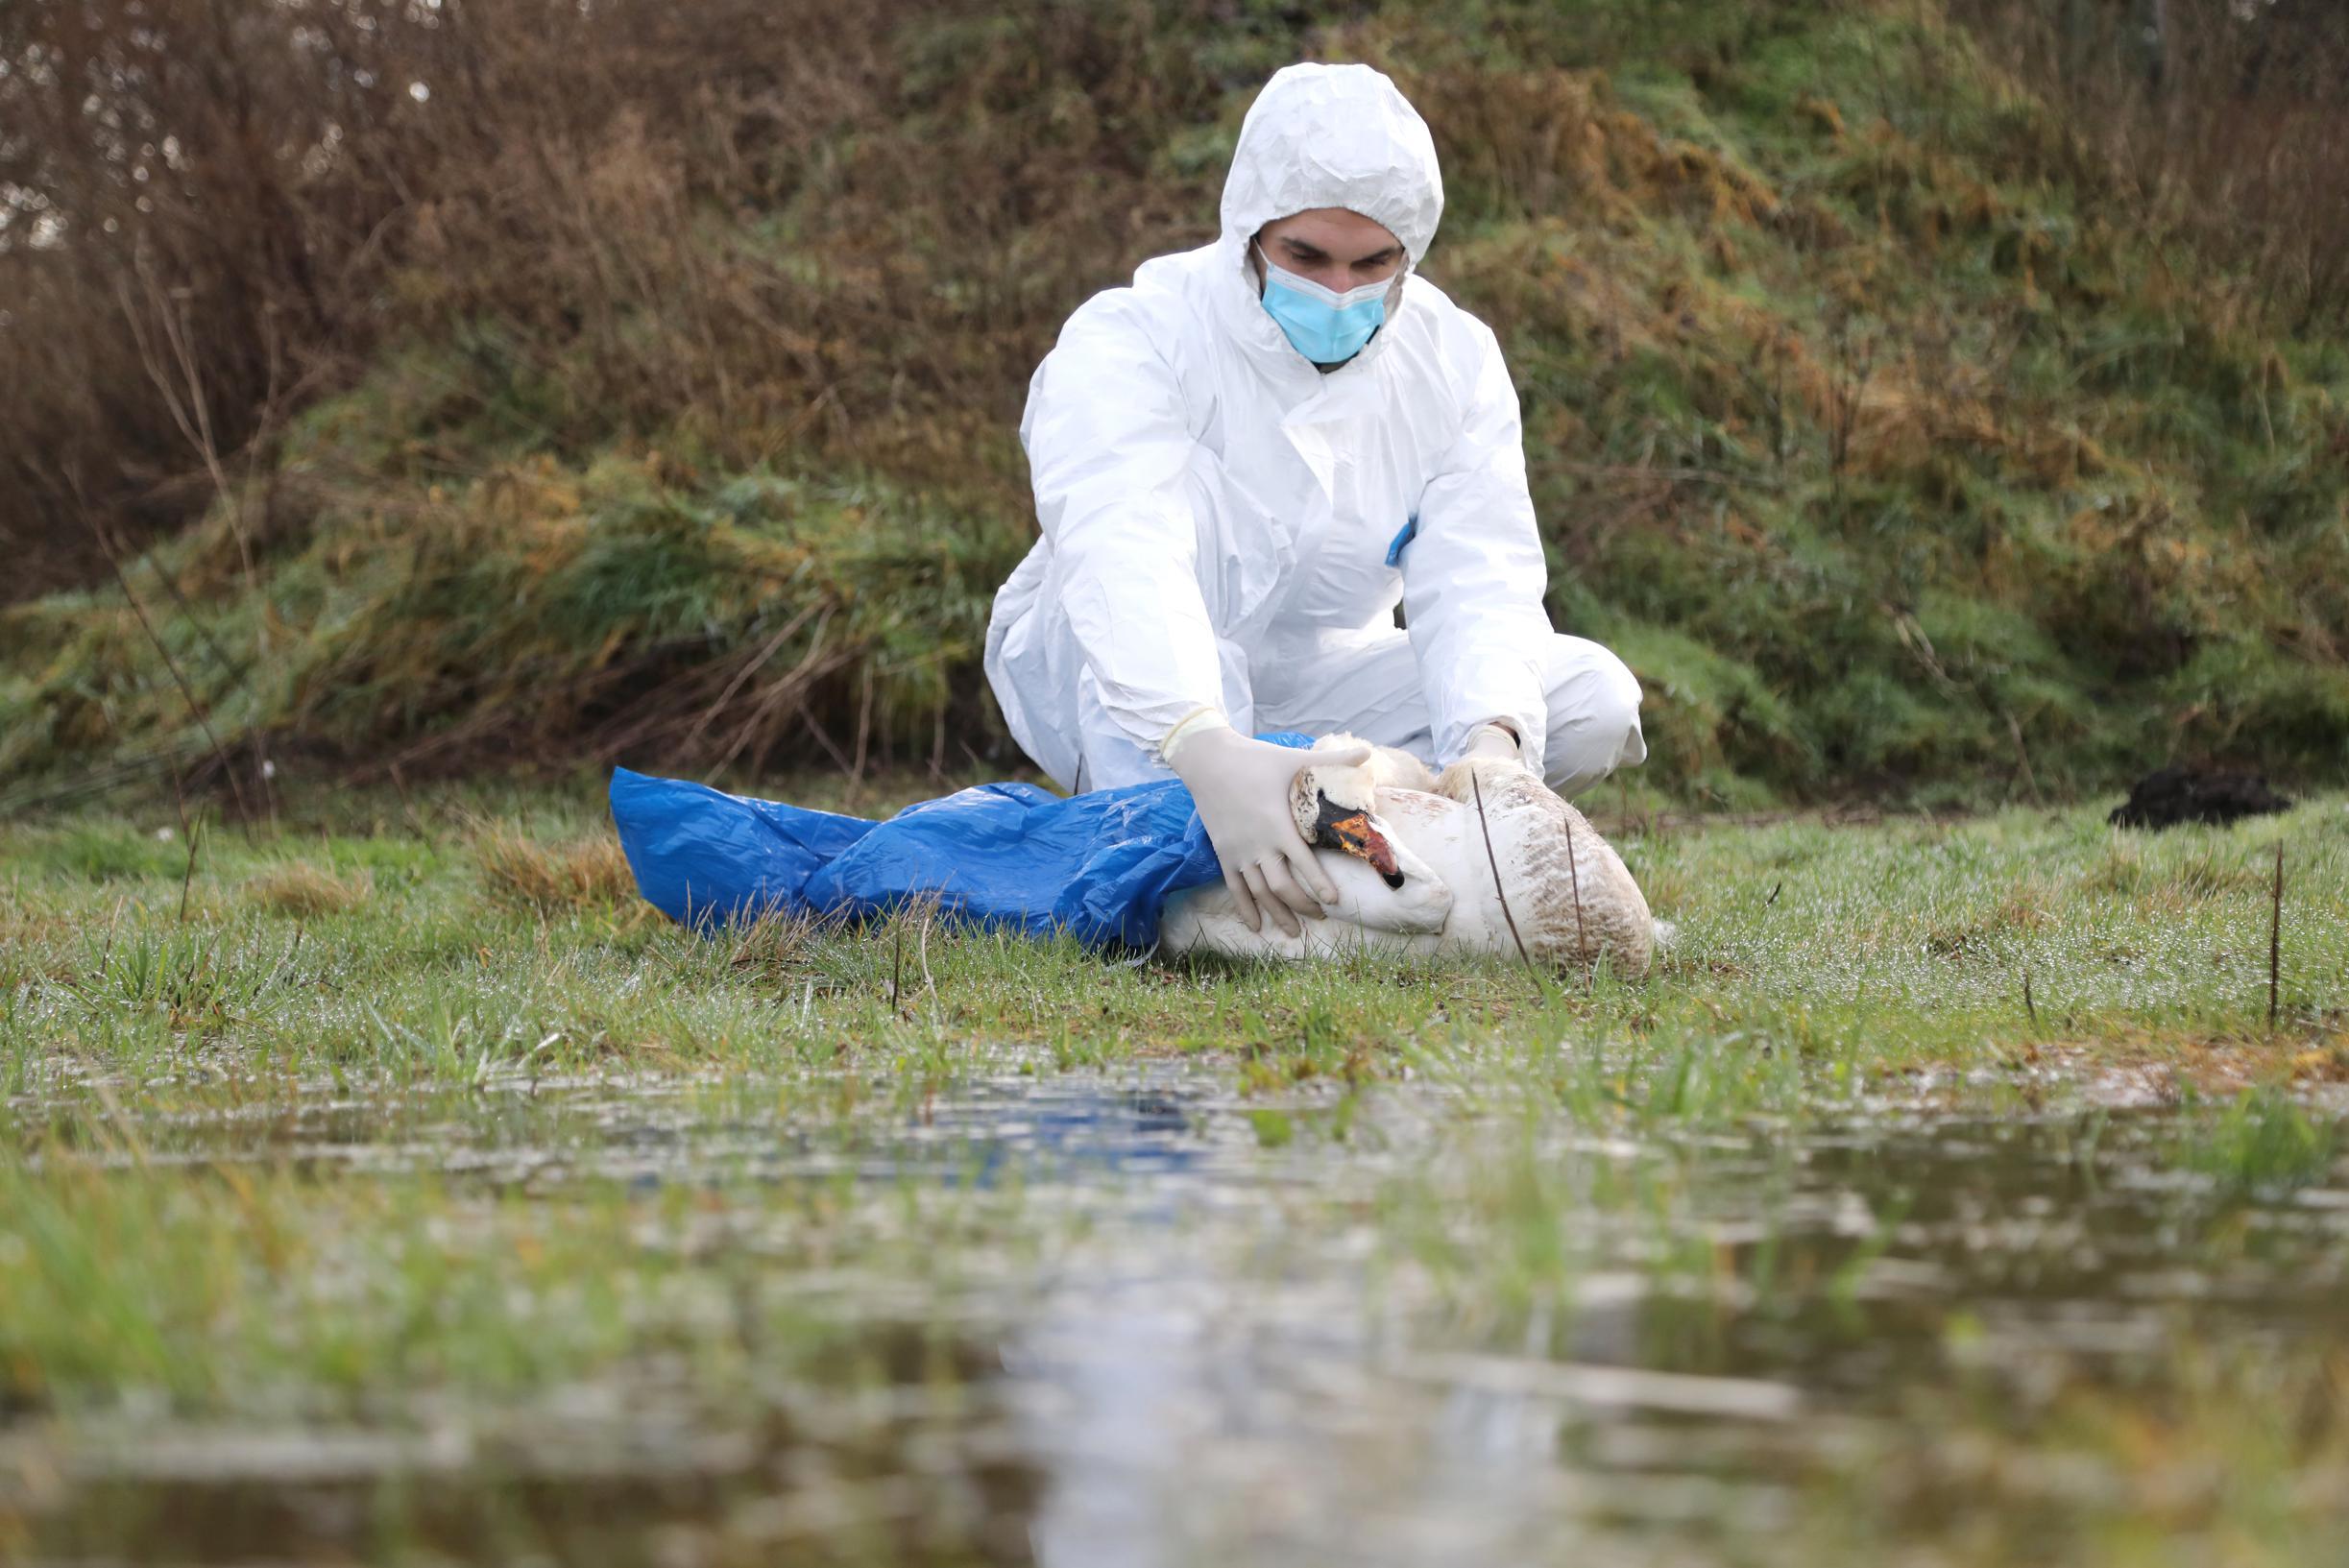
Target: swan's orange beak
1338 828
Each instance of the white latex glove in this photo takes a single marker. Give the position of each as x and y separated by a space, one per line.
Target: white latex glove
1242 789
1492 742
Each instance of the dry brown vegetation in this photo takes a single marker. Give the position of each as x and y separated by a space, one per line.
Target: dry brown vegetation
2226 123
522 873
304 890
218 211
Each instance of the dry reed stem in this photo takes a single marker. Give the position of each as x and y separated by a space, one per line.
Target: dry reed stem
1477 788
2275 943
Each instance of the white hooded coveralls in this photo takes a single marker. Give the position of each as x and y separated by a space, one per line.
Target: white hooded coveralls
1227 526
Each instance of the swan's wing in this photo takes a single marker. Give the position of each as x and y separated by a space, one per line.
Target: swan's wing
1569 893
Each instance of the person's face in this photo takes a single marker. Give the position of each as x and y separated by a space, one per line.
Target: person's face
1335 248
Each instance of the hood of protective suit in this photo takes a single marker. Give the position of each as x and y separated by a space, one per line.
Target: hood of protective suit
1334 135
1229 525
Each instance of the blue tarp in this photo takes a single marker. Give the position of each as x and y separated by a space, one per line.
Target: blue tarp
1098 865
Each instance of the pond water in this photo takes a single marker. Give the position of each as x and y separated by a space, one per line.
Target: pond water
1399 1326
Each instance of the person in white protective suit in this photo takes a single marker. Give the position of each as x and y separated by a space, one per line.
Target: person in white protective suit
1244 461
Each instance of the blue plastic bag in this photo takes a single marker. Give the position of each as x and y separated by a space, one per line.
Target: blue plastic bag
1100 866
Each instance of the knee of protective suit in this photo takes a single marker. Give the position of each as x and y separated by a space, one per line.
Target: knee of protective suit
1595 716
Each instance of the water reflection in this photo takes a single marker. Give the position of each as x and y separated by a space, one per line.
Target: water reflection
1234 1358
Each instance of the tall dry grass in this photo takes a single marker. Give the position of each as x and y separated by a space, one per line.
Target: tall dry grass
709 215
2224 123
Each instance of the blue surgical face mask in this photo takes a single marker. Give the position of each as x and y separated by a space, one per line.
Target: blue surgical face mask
1325 325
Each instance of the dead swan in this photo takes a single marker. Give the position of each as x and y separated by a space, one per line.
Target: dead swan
1415 876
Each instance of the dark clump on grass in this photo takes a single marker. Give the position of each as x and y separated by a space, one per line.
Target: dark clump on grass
2172 795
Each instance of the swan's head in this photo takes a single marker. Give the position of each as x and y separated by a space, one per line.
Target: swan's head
1336 807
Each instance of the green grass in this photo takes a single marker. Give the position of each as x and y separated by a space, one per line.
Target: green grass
483 937
417 1128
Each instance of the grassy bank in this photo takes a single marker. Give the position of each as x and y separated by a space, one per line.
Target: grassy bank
1902 452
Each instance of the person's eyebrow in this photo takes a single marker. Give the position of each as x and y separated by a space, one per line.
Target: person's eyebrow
1377 257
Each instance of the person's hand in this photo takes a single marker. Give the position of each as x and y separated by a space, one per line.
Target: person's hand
1244 791
1494 742
1494 761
